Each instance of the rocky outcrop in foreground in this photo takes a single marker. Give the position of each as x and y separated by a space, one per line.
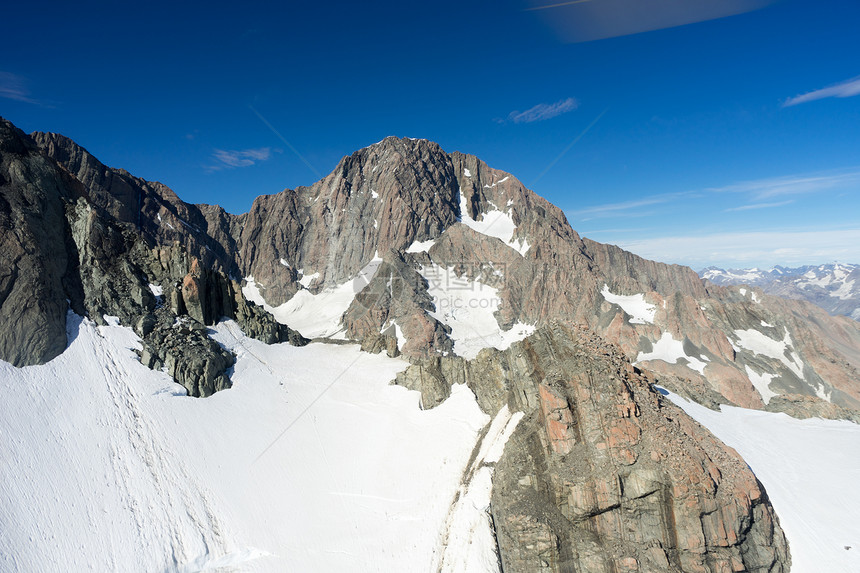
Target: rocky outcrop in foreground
88 247
603 474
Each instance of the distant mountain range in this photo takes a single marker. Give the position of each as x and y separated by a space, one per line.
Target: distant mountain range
834 287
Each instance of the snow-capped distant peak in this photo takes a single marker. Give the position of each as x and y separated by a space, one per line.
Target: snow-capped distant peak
834 286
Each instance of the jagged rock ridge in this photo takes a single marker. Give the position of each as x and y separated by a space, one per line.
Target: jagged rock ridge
77 245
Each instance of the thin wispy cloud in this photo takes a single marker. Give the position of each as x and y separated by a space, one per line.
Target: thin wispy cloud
755 206
624 209
755 194
14 87
848 88
762 248
543 111
585 21
592 232
238 158
791 184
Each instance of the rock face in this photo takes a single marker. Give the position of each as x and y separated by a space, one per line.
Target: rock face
602 473
379 198
152 209
183 348
94 242
35 269
802 407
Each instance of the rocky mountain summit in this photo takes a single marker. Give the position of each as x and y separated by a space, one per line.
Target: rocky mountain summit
834 287
474 279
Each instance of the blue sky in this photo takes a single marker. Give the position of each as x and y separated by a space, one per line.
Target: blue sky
732 140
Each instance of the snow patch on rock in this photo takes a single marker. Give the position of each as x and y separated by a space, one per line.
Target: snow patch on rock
468 307
420 246
315 315
494 223
670 350
759 343
640 311
761 383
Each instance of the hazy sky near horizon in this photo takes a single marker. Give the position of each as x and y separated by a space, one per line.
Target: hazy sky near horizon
720 132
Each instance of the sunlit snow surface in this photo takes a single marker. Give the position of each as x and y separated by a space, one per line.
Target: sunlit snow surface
311 462
420 246
315 315
495 223
670 350
467 306
810 469
761 383
470 544
759 343
640 311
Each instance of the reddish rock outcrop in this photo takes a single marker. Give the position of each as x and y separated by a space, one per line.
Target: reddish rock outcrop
604 475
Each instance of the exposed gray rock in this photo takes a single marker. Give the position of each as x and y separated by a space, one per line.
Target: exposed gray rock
379 343
397 295
182 347
109 266
380 198
433 377
36 275
153 209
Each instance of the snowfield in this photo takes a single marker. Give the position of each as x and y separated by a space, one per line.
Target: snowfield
670 350
315 315
495 223
468 307
634 305
810 469
311 462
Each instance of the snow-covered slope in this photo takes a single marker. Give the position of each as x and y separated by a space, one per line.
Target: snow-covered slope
494 223
469 308
315 315
810 470
311 462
